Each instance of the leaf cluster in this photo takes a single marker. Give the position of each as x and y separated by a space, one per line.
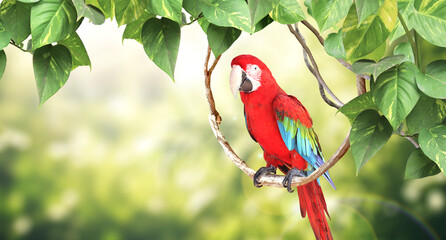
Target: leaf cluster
380 37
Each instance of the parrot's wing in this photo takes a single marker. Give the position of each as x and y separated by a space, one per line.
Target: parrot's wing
296 129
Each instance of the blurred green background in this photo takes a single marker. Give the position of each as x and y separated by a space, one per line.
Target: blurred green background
122 152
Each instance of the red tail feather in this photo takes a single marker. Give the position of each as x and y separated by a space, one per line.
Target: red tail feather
312 202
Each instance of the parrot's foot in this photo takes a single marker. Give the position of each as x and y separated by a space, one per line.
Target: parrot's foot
289 178
263 171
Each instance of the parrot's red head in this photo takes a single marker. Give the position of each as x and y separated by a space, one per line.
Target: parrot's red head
250 75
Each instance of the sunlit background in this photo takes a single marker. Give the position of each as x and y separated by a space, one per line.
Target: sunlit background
122 152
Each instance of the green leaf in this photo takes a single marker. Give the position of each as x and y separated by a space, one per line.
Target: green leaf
52 66
370 67
427 113
52 21
433 83
259 9
90 12
15 18
5 37
2 63
369 133
395 92
133 29
429 20
371 34
227 13
167 8
329 12
359 104
108 7
405 49
420 166
28 1
221 38
204 24
263 23
334 46
192 7
127 11
365 8
161 40
433 143
287 12
405 7
79 55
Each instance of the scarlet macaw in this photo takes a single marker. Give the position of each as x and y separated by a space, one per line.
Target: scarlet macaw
283 128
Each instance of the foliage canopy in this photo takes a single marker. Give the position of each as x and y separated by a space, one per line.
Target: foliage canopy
381 38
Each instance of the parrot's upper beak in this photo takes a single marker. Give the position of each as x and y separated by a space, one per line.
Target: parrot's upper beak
239 81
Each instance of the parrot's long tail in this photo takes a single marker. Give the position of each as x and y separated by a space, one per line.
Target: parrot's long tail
312 201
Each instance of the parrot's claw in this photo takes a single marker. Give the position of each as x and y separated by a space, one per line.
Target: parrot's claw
263 171
289 178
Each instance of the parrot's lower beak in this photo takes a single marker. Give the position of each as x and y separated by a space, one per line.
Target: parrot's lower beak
239 81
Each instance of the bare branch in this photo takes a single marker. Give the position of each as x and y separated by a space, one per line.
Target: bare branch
360 84
207 83
315 69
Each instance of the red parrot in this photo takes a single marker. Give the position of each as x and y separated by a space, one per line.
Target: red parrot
284 130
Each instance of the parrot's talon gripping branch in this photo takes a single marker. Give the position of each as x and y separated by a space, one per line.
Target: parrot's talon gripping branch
262 171
294 172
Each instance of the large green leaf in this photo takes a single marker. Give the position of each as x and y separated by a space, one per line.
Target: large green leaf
334 46
167 8
83 10
405 7
52 21
372 33
161 40
127 11
5 37
433 83
429 20
79 55
263 23
433 143
108 7
420 166
370 67
359 104
287 11
259 9
227 13
329 12
405 49
133 29
221 38
192 7
395 92
365 8
2 63
15 18
52 66
369 133
427 113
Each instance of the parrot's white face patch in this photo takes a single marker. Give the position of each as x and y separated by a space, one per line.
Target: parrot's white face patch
239 77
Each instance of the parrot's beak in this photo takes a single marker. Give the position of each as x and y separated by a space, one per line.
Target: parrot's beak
239 81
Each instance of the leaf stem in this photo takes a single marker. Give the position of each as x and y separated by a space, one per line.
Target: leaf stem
411 41
17 46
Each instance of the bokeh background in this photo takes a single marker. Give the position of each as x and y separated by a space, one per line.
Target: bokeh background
122 152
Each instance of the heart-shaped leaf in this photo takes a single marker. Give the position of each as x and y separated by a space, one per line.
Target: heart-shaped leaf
52 66
370 67
359 104
15 19
127 11
429 20
90 12
329 12
433 83
420 166
79 55
221 38
167 8
369 133
433 143
395 92
161 40
427 113
228 13
287 12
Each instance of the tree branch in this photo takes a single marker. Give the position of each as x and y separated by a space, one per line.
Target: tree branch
269 179
314 69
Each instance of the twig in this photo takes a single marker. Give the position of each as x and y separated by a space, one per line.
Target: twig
269 179
315 70
403 134
17 46
360 84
